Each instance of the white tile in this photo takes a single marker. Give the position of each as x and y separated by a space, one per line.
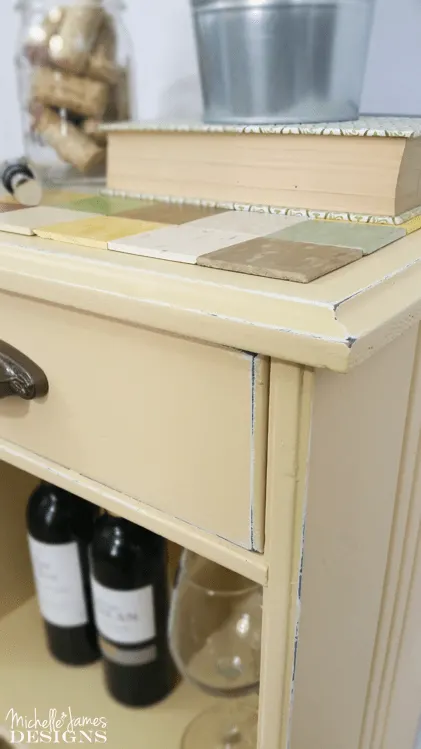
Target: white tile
251 222
183 244
26 220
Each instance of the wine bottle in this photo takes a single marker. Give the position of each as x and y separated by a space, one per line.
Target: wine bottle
60 528
130 592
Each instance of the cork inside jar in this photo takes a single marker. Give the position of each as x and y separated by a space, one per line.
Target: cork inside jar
74 70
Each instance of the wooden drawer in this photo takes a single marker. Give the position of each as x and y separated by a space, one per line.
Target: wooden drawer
174 423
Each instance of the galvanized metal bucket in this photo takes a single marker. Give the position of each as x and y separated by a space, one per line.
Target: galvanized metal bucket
282 61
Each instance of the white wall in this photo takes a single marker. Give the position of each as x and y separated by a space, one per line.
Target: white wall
167 78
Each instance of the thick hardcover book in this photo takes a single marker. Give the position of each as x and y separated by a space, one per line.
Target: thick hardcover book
371 166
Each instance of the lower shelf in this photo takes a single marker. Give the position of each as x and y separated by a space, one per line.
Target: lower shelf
31 679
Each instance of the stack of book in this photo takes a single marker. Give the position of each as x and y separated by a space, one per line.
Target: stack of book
364 170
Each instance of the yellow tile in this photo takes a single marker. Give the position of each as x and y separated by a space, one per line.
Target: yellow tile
414 224
96 232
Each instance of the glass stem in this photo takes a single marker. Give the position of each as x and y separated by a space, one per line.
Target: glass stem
232 738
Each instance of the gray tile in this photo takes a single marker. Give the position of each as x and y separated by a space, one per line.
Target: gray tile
254 223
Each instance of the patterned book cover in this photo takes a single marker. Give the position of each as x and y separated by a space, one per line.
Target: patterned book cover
368 127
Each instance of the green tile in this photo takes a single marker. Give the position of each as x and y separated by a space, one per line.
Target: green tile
365 237
104 205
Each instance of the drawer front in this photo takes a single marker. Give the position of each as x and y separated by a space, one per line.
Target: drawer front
174 423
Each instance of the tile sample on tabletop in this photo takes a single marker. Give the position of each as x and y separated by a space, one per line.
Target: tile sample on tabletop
256 223
273 258
106 206
414 224
95 231
27 220
61 198
171 213
183 244
365 237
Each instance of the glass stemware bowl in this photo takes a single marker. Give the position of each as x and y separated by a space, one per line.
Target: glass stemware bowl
215 635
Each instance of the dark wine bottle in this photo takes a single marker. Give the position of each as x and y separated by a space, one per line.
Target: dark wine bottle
130 592
60 528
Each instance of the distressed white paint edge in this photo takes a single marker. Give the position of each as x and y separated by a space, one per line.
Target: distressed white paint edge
290 415
252 446
259 368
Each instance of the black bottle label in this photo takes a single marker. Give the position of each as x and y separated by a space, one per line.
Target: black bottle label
126 617
59 583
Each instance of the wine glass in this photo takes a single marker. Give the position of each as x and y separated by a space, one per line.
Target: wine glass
215 634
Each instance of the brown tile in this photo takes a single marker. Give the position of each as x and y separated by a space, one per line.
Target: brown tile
274 258
6 207
171 213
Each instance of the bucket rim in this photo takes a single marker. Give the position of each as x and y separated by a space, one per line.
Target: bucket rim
199 6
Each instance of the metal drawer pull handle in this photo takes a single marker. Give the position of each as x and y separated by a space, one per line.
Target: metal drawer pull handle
19 375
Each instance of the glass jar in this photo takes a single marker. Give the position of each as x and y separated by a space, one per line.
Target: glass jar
74 73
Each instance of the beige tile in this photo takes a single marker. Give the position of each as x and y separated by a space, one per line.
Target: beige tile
183 244
253 223
274 258
95 231
27 220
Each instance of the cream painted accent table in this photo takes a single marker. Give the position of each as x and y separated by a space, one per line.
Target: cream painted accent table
231 414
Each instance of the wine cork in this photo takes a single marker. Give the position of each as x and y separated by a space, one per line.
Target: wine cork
102 64
74 146
91 128
118 109
36 48
53 88
123 96
71 47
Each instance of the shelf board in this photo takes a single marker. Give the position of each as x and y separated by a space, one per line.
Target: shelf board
31 679
248 563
